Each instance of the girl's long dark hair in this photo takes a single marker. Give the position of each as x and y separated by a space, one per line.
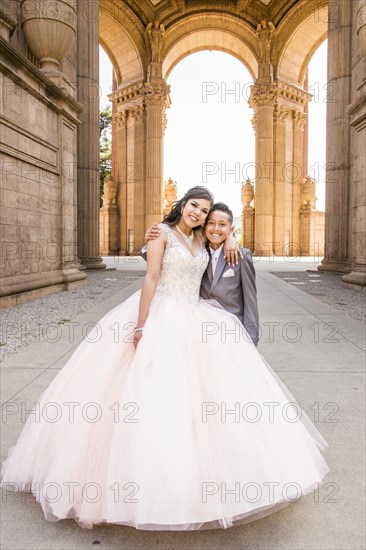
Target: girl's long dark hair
198 192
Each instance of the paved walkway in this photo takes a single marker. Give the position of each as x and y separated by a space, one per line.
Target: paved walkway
319 354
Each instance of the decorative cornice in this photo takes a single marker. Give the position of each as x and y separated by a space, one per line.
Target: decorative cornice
357 112
142 92
357 105
268 94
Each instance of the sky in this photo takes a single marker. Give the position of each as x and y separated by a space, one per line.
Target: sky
209 139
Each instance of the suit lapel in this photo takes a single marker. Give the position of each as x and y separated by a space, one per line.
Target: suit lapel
209 269
221 262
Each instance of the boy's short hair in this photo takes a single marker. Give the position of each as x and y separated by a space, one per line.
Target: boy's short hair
222 207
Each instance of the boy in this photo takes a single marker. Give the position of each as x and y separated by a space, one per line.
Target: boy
233 287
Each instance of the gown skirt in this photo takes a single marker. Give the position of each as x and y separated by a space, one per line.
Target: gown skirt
192 430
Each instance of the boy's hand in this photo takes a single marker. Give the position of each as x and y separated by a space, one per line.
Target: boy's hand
232 251
152 233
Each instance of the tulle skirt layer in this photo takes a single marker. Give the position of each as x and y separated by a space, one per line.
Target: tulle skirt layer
193 430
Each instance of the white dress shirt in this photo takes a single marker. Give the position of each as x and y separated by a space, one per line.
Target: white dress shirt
214 258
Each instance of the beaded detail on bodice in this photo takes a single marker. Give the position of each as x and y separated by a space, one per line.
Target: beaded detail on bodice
181 272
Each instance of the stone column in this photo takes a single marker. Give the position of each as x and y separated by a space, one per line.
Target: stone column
108 218
114 129
135 177
119 145
298 176
140 120
247 195
262 100
307 228
282 195
305 161
357 113
280 120
157 99
338 163
88 135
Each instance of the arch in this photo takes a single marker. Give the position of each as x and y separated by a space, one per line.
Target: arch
210 33
302 41
109 52
121 36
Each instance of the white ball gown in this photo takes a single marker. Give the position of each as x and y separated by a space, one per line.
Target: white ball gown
191 430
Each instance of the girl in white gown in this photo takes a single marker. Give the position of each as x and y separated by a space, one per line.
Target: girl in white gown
155 424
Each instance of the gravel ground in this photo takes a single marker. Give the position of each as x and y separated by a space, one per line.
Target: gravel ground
328 287
20 324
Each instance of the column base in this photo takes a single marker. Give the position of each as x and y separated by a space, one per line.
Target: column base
355 279
341 267
93 263
23 288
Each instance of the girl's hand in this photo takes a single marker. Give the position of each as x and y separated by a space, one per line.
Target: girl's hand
232 251
152 233
137 337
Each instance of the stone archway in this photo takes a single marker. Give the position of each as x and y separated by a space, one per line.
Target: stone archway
278 99
212 33
299 44
125 52
139 121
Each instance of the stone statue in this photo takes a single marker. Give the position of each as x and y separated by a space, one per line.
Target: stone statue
154 37
170 195
109 191
264 32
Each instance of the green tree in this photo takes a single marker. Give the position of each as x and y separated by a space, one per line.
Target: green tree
105 145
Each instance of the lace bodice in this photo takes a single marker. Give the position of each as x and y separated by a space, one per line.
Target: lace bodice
181 272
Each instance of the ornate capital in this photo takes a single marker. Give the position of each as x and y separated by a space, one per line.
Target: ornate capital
164 121
120 119
157 93
137 113
254 121
280 113
262 94
299 119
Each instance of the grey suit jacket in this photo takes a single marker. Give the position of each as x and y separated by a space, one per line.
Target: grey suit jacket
238 293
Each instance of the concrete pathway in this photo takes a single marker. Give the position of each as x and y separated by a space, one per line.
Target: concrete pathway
319 354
